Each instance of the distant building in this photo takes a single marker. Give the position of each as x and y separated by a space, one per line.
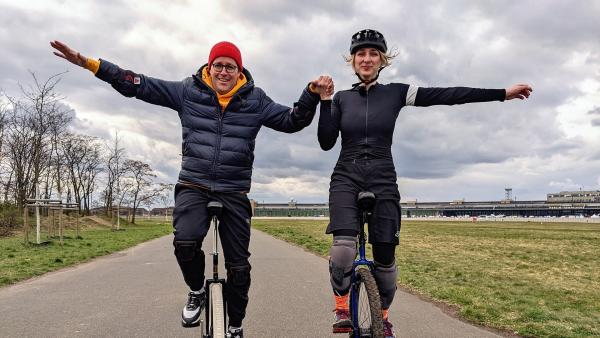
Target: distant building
290 209
565 203
162 211
575 196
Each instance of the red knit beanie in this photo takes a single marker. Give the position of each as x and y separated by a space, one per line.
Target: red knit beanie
225 48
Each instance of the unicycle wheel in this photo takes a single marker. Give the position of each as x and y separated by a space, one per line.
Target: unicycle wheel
370 318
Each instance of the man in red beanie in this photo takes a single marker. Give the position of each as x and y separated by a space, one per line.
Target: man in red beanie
221 113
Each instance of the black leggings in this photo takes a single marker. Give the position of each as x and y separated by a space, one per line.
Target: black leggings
383 253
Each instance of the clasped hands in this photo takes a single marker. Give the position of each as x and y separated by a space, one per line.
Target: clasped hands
323 85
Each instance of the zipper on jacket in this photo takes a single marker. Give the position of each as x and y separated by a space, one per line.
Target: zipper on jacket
367 123
217 146
220 115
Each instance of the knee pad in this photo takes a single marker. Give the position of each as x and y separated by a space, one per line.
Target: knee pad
385 276
187 251
341 257
239 274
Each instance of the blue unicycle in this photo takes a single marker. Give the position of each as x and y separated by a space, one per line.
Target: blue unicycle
365 304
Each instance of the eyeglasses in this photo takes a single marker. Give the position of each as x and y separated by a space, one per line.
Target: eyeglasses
228 68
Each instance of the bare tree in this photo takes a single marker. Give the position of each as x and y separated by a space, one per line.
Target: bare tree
27 128
58 130
142 191
114 173
3 118
92 166
83 160
4 181
166 197
44 111
122 195
73 150
18 143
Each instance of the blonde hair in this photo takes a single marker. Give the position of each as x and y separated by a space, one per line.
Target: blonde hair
386 58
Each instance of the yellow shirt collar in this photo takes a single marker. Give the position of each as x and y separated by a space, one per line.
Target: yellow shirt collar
223 98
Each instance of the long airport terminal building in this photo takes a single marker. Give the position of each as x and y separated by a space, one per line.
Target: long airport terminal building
562 204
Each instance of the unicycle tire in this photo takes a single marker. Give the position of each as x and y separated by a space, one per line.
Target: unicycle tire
216 318
370 317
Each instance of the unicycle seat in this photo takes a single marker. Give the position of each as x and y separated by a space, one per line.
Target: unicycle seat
214 208
365 201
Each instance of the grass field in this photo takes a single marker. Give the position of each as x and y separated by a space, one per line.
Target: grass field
19 261
538 280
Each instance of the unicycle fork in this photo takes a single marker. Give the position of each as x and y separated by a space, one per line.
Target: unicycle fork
215 324
365 303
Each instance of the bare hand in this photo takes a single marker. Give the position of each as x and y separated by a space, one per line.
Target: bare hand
68 54
518 91
323 85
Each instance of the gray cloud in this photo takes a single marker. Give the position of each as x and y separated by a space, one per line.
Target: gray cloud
286 44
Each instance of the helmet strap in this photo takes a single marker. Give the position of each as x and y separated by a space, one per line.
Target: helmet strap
367 82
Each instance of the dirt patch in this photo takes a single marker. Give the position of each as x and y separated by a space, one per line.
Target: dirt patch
98 220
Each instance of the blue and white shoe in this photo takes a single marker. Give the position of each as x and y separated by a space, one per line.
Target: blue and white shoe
190 316
236 332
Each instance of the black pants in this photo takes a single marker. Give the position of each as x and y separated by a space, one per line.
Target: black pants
377 176
191 223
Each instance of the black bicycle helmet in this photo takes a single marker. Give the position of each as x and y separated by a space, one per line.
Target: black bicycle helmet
368 38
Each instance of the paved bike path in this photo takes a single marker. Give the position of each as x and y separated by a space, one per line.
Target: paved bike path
139 293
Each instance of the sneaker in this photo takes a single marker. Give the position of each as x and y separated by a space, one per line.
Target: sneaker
341 322
234 332
190 316
388 332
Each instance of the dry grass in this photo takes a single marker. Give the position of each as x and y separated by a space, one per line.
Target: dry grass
539 280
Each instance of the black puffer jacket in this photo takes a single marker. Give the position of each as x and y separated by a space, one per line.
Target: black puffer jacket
218 146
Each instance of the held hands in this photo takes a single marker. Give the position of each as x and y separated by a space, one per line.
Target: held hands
68 54
518 91
323 86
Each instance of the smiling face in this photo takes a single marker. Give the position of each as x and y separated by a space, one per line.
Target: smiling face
367 62
223 81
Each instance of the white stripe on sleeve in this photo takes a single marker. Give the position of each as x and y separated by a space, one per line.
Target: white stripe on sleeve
411 95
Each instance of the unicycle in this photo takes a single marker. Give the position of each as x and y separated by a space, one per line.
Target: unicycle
365 304
214 325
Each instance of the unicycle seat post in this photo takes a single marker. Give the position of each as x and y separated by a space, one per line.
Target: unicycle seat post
214 212
365 202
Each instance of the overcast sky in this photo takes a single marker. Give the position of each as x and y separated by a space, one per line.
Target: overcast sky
545 144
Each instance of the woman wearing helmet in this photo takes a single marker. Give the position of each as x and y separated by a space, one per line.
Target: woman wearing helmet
365 116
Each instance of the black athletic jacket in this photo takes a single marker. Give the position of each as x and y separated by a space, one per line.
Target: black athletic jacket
366 119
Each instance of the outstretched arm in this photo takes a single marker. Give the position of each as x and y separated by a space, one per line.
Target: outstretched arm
130 84
290 120
423 97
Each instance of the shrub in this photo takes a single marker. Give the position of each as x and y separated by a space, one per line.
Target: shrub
8 218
